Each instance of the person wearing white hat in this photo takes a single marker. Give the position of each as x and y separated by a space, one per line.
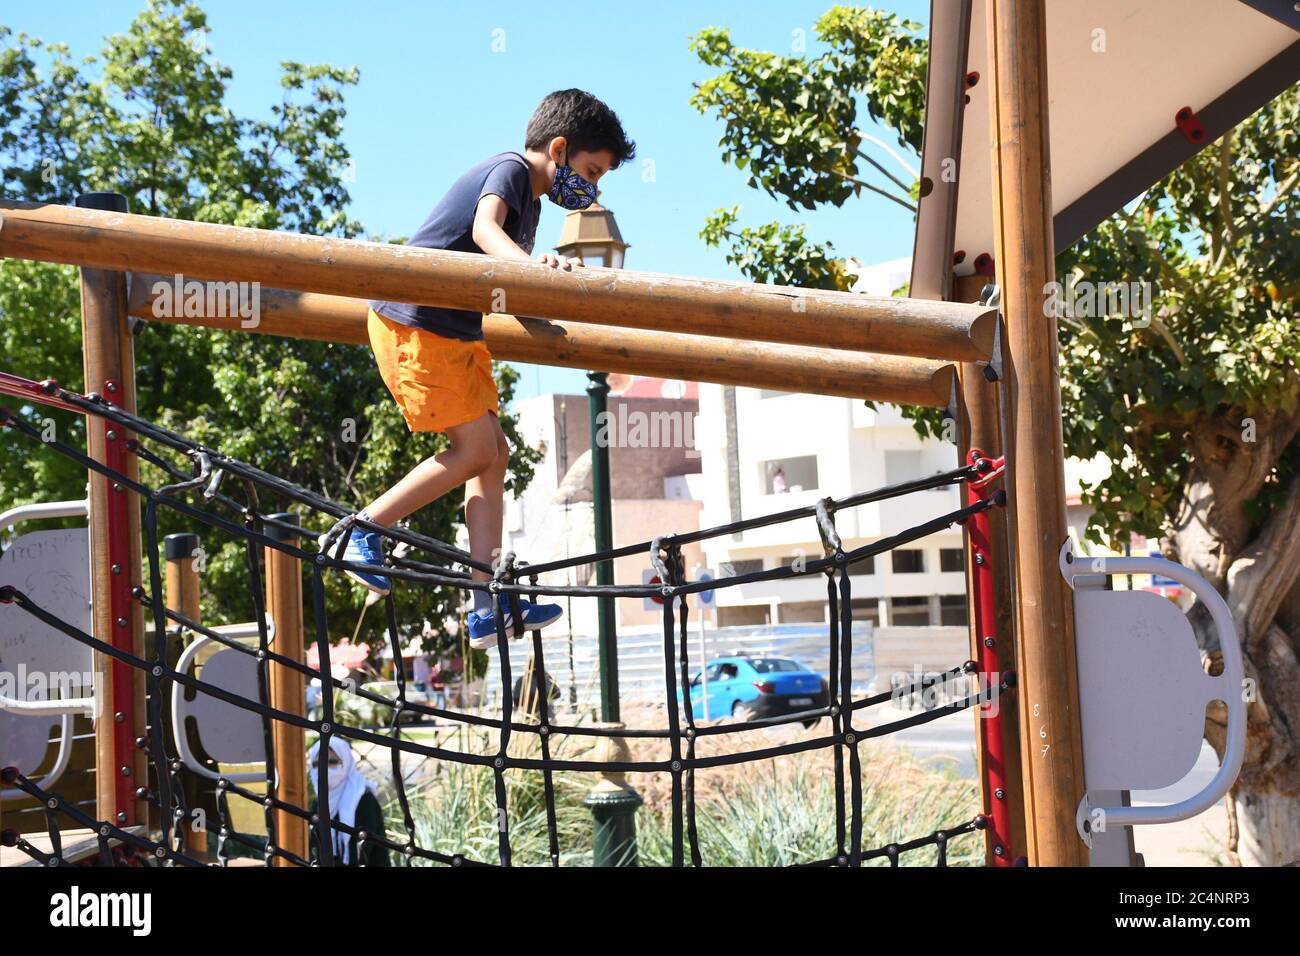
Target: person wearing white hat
352 802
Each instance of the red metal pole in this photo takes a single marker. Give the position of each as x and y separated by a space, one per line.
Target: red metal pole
121 607
990 673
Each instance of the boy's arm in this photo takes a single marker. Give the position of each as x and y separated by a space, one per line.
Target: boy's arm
488 235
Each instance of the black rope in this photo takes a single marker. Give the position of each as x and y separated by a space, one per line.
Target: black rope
196 493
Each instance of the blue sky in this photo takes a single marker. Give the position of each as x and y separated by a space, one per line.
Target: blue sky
434 98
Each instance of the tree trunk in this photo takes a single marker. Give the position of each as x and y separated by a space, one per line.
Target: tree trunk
1256 566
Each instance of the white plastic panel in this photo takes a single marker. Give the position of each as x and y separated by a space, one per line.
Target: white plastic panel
228 733
1142 692
53 569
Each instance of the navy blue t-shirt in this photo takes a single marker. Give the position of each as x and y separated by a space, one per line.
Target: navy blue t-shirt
450 225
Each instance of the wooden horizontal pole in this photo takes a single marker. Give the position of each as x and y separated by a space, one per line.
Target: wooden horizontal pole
731 310
696 358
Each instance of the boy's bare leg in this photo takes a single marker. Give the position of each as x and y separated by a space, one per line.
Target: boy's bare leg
484 506
475 448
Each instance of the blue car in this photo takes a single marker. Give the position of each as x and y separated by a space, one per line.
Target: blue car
749 688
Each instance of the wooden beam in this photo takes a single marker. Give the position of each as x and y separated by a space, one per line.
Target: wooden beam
183 596
287 689
729 310
885 378
1048 694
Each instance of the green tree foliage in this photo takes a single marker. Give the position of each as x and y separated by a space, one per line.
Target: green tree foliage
1216 241
790 121
147 117
1195 401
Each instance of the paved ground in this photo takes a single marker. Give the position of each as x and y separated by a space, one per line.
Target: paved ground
1193 842
950 740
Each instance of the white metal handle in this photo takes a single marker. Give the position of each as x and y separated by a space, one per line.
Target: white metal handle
48 509
1232 679
180 732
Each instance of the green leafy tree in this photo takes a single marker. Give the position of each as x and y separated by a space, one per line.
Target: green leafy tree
1196 404
147 118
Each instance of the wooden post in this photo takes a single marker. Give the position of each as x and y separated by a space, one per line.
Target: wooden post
287 687
1052 756
462 280
183 598
981 428
662 354
109 368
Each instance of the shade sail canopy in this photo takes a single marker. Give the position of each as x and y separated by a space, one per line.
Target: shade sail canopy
1135 88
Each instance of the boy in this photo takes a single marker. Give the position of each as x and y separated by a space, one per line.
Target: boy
434 360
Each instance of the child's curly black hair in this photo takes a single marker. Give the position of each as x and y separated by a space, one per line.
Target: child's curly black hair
584 121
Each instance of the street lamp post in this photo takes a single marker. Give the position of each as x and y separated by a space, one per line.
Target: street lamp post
603 520
592 235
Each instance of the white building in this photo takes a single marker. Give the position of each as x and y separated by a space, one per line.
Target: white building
825 447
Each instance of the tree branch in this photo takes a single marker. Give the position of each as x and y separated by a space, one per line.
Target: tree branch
1162 330
892 178
356 456
1225 207
875 189
888 149
1283 190
1265 571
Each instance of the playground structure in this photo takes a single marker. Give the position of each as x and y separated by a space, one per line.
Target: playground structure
991 365
243 689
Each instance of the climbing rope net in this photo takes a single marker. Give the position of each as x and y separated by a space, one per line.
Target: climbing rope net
230 497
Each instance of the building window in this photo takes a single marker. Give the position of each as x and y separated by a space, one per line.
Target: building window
866 609
731 569
865 565
901 466
952 610
514 518
744 615
781 475
909 611
802 612
952 559
908 560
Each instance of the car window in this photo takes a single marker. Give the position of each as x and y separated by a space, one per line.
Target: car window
728 671
714 671
774 665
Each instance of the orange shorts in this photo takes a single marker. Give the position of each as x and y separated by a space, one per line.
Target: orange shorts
438 382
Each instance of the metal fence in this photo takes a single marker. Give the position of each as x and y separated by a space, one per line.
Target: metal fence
641 657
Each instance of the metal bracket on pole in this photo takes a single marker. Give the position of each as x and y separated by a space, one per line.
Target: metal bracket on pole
991 295
952 412
1143 691
134 323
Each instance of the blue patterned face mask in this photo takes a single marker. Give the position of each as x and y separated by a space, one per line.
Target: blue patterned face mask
571 191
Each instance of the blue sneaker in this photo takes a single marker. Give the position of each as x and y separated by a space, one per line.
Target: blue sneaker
483 625
364 547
